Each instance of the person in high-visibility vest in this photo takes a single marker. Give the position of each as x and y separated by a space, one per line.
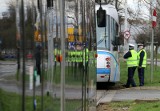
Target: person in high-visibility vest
142 62
131 57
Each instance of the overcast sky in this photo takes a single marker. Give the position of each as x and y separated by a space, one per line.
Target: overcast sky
3 5
131 3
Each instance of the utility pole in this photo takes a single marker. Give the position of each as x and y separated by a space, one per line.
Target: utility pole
23 51
152 39
125 28
18 36
152 51
62 32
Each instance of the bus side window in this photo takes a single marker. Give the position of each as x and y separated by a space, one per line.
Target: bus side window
101 17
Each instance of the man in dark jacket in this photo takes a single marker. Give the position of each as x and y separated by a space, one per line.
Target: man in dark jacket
142 61
131 57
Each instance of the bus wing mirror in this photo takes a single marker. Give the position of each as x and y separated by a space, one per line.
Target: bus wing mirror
101 18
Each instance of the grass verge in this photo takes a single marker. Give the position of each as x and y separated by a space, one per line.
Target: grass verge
130 106
12 102
147 75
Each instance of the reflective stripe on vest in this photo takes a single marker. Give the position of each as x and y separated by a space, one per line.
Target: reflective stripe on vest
132 61
144 63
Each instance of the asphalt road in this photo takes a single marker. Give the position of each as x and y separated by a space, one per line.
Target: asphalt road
10 84
7 68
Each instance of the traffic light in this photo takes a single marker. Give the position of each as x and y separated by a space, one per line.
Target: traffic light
101 17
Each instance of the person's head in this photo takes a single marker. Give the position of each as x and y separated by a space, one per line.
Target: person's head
140 46
131 46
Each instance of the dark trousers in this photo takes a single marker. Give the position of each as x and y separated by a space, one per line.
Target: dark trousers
38 67
130 80
141 76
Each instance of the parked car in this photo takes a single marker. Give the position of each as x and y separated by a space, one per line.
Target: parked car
29 56
9 56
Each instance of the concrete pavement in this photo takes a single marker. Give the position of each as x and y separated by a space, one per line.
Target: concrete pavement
135 93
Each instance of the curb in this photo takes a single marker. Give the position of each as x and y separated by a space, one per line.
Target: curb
143 88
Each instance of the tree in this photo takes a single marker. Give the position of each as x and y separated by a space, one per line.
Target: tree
8 28
142 38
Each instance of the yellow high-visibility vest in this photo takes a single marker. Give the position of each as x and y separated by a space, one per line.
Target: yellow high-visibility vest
144 63
132 61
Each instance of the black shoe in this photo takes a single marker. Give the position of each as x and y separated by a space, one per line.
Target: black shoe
125 86
134 86
141 85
